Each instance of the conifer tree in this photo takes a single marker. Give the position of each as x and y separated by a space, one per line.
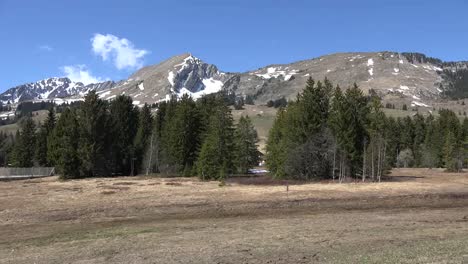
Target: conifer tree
95 139
182 135
42 138
216 155
63 146
276 145
143 136
124 126
450 151
247 154
24 150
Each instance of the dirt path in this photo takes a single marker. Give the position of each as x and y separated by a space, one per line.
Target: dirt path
419 216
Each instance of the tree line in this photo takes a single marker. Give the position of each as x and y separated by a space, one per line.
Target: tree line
101 138
328 133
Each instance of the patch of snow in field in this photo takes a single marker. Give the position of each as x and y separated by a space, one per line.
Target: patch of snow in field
136 102
60 101
141 87
328 71
257 171
371 71
404 87
6 115
370 62
415 103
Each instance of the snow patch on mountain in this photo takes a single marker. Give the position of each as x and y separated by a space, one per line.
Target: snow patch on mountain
274 72
416 103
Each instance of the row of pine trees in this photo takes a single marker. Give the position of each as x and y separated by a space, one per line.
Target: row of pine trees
100 138
324 133
328 133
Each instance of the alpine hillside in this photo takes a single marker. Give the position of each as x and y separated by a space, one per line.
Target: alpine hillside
398 78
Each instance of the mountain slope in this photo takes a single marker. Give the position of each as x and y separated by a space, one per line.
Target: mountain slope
399 78
50 89
183 74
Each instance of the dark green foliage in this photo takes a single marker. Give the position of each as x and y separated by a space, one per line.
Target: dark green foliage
24 149
94 140
217 151
277 103
63 146
300 128
124 126
143 137
182 135
246 138
42 138
414 57
249 100
456 83
312 159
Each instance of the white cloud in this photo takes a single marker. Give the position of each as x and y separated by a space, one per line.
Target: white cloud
46 48
120 50
79 73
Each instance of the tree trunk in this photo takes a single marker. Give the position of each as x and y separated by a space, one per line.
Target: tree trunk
373 160
334 162
151 155
364 162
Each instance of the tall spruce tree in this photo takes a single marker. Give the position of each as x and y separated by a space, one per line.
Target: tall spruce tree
247 154
42 138
216 155
63 146
276 145
95 139
143 137
124 126
24 149
182 136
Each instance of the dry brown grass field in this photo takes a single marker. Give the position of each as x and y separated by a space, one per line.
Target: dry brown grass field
415 216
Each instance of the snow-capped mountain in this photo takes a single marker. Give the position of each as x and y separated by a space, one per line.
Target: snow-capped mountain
399 78
184 74
51 88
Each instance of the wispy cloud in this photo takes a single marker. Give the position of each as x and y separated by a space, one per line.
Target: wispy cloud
80 73
46 48
120 51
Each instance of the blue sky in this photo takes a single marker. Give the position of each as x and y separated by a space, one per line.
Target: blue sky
41 39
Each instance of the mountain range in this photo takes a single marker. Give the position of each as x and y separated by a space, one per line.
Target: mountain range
398 78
